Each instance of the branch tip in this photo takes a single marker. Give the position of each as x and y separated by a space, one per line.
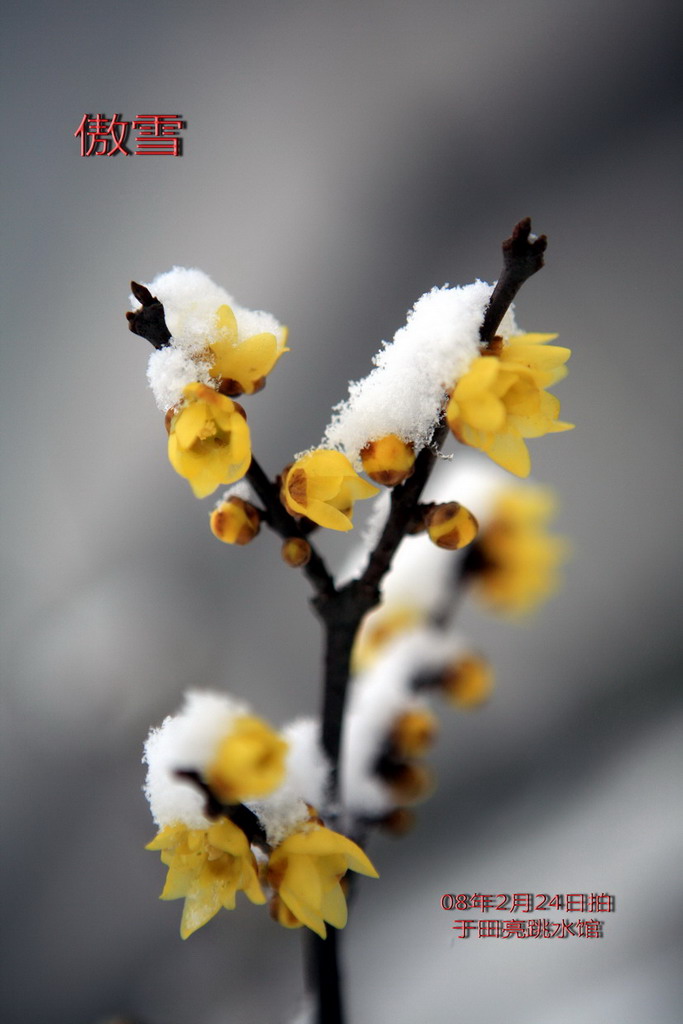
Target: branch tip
522 257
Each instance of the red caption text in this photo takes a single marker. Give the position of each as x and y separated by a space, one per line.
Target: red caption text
530 903
157 135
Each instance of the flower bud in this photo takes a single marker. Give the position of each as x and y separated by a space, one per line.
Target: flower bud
451 525
235 521
399 822
468 682
388 461
410 782
296 552
413 733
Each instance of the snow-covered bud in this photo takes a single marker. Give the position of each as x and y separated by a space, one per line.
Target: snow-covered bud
249 762
378 629
242 364
296 552
451 526
468 682
235 521
218 739
389 460
213 339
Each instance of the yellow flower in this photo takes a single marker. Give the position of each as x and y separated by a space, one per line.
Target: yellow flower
243 365
306 869
323 486
206 867
379 627
208 441
249 762
519 557
501 400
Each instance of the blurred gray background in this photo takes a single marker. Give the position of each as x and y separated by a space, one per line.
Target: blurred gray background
340 158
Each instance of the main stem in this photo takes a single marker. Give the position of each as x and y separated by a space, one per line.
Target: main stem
324 978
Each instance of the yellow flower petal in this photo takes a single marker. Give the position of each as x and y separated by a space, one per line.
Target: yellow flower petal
244 362
510 452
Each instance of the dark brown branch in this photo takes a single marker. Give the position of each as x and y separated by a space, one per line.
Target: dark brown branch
345 612
149 321
324 976
239 814
404 499
522 257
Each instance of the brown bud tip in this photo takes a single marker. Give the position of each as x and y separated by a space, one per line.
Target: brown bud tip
296 552
494 348
451 525
230 388
240 409
168 418
142 294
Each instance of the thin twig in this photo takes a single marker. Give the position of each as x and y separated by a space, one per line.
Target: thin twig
286 526
522 257
149 321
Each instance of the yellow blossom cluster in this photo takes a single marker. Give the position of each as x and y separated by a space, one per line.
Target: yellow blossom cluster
247 830
208 867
